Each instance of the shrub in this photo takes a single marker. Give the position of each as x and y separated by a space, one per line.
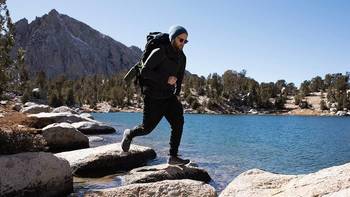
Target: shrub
12 142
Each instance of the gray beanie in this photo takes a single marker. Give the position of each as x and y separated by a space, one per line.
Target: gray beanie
176 30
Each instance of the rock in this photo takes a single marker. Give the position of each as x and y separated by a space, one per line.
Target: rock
87 115
333 109
253 111
95 139
36 93
95 127
3 102
43 119
341 193
104 107
64 109
21 126
27 104
35 109
341 113
304 104
17 107
334 105
1 115
64 137
261 183
107 159
159 189
34 174
162 172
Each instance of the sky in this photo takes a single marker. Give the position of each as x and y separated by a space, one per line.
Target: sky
294 40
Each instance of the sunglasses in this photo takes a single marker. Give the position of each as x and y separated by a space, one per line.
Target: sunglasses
183 40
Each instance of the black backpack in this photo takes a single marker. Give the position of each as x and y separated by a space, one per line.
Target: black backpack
154 40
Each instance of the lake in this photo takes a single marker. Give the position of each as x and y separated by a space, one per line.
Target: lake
227 145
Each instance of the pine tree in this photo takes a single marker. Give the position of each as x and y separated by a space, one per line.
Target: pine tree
6 43
23 73
70 100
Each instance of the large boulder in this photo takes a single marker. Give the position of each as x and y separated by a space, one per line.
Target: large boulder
261 183
43 119
93 127
64 137
35 109
159 189
107 159
63 109
34 174
162 172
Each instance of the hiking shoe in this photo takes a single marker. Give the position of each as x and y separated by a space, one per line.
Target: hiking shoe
175 160
126 141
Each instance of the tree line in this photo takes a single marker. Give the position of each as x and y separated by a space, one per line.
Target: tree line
232 88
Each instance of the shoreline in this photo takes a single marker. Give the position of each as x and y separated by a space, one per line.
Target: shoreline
299 112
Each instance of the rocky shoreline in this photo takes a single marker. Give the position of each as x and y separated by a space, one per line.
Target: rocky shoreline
42 149
312 108
288 111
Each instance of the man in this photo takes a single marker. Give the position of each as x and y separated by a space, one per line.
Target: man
162 84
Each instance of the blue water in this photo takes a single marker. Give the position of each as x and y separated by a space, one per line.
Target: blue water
227 145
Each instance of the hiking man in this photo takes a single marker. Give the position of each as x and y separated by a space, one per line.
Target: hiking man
165 68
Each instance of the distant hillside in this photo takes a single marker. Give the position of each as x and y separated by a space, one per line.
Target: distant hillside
58 44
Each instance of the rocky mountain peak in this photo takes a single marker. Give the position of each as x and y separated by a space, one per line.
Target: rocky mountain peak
61 45
54 12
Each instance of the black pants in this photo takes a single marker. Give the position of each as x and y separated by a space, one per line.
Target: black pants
153 112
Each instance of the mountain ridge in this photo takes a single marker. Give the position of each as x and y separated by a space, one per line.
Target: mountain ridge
58 44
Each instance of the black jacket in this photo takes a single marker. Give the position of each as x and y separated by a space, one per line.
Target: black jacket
162 63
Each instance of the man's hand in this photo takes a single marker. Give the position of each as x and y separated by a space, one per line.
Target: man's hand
172 80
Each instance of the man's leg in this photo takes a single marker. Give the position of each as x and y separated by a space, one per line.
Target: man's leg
174 115
152 114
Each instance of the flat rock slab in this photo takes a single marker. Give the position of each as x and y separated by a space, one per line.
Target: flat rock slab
260 183
162 172
34 174
35 109
93 127
64 109
159 189
41 120
107 159
95 139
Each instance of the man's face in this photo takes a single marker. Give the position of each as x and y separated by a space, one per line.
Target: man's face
180 41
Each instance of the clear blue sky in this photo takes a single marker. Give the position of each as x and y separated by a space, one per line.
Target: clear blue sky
272 39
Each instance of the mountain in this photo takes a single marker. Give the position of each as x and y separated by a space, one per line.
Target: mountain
58 44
